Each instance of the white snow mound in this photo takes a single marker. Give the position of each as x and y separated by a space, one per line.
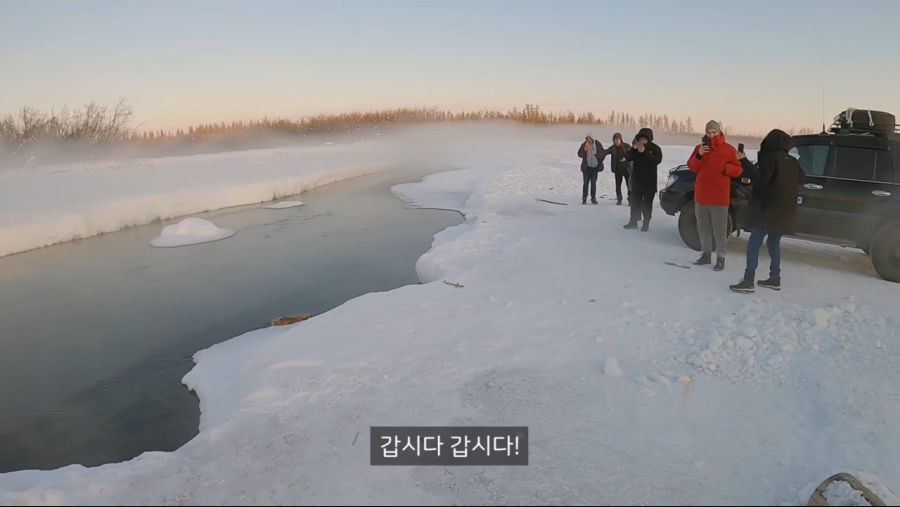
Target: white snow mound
190 231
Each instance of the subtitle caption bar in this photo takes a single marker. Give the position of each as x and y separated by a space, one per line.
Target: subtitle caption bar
448 446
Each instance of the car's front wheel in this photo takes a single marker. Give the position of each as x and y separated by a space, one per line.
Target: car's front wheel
885 253
687 226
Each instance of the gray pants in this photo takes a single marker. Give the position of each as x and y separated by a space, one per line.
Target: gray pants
712 223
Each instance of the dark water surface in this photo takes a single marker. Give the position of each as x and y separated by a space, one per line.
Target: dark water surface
95 335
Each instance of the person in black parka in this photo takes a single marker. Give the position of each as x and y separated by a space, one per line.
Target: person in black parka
776 178
645 157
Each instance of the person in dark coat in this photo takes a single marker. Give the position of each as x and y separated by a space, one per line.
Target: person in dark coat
773 206
645 157
592 155
620 165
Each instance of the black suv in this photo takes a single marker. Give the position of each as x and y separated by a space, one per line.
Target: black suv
851 195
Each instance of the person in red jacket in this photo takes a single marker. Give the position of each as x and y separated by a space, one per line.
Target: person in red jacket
714 162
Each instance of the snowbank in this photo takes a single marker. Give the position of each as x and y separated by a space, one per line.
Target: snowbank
43 206
641 383
190 231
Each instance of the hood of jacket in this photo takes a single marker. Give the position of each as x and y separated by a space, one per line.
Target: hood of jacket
645 132
776 140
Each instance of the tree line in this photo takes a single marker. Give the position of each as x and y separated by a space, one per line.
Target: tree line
97 125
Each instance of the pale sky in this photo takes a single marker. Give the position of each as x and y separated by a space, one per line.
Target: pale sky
753 64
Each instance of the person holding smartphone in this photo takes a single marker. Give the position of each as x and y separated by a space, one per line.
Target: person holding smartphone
715 163
592 155
621 167
776 178
645 157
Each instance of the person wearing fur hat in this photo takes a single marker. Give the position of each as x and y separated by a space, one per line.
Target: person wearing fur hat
715 163
592 154
621 167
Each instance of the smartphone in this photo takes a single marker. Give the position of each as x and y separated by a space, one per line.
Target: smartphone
705 141
741 147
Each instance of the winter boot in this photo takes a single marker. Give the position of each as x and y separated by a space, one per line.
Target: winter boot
745 287
703 260
774 283
631 225
720 264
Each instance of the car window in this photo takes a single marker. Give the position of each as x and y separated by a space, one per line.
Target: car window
883 168
854 163
812 157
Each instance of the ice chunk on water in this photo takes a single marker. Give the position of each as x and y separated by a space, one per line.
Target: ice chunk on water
284 204
190 231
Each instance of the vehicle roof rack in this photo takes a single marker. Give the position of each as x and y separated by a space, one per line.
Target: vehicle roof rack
838 128
841 127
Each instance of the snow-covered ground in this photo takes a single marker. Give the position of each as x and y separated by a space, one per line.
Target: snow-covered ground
640 382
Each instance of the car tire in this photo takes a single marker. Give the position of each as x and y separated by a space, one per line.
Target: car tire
687 226
885 253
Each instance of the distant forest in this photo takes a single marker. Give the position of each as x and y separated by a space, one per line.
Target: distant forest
97 125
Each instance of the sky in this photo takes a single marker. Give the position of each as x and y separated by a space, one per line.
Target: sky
755 65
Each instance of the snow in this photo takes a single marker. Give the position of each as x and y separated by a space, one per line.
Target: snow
190 231
46 205
842 493
284 205
612 368
640 383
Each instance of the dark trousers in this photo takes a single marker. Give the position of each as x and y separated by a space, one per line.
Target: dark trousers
590 179
621 175
753 247
641 204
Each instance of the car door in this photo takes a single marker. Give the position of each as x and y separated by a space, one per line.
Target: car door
860 192
811 201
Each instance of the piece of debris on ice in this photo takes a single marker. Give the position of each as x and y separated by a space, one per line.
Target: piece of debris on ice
612 368
284 204
190 231
286 321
